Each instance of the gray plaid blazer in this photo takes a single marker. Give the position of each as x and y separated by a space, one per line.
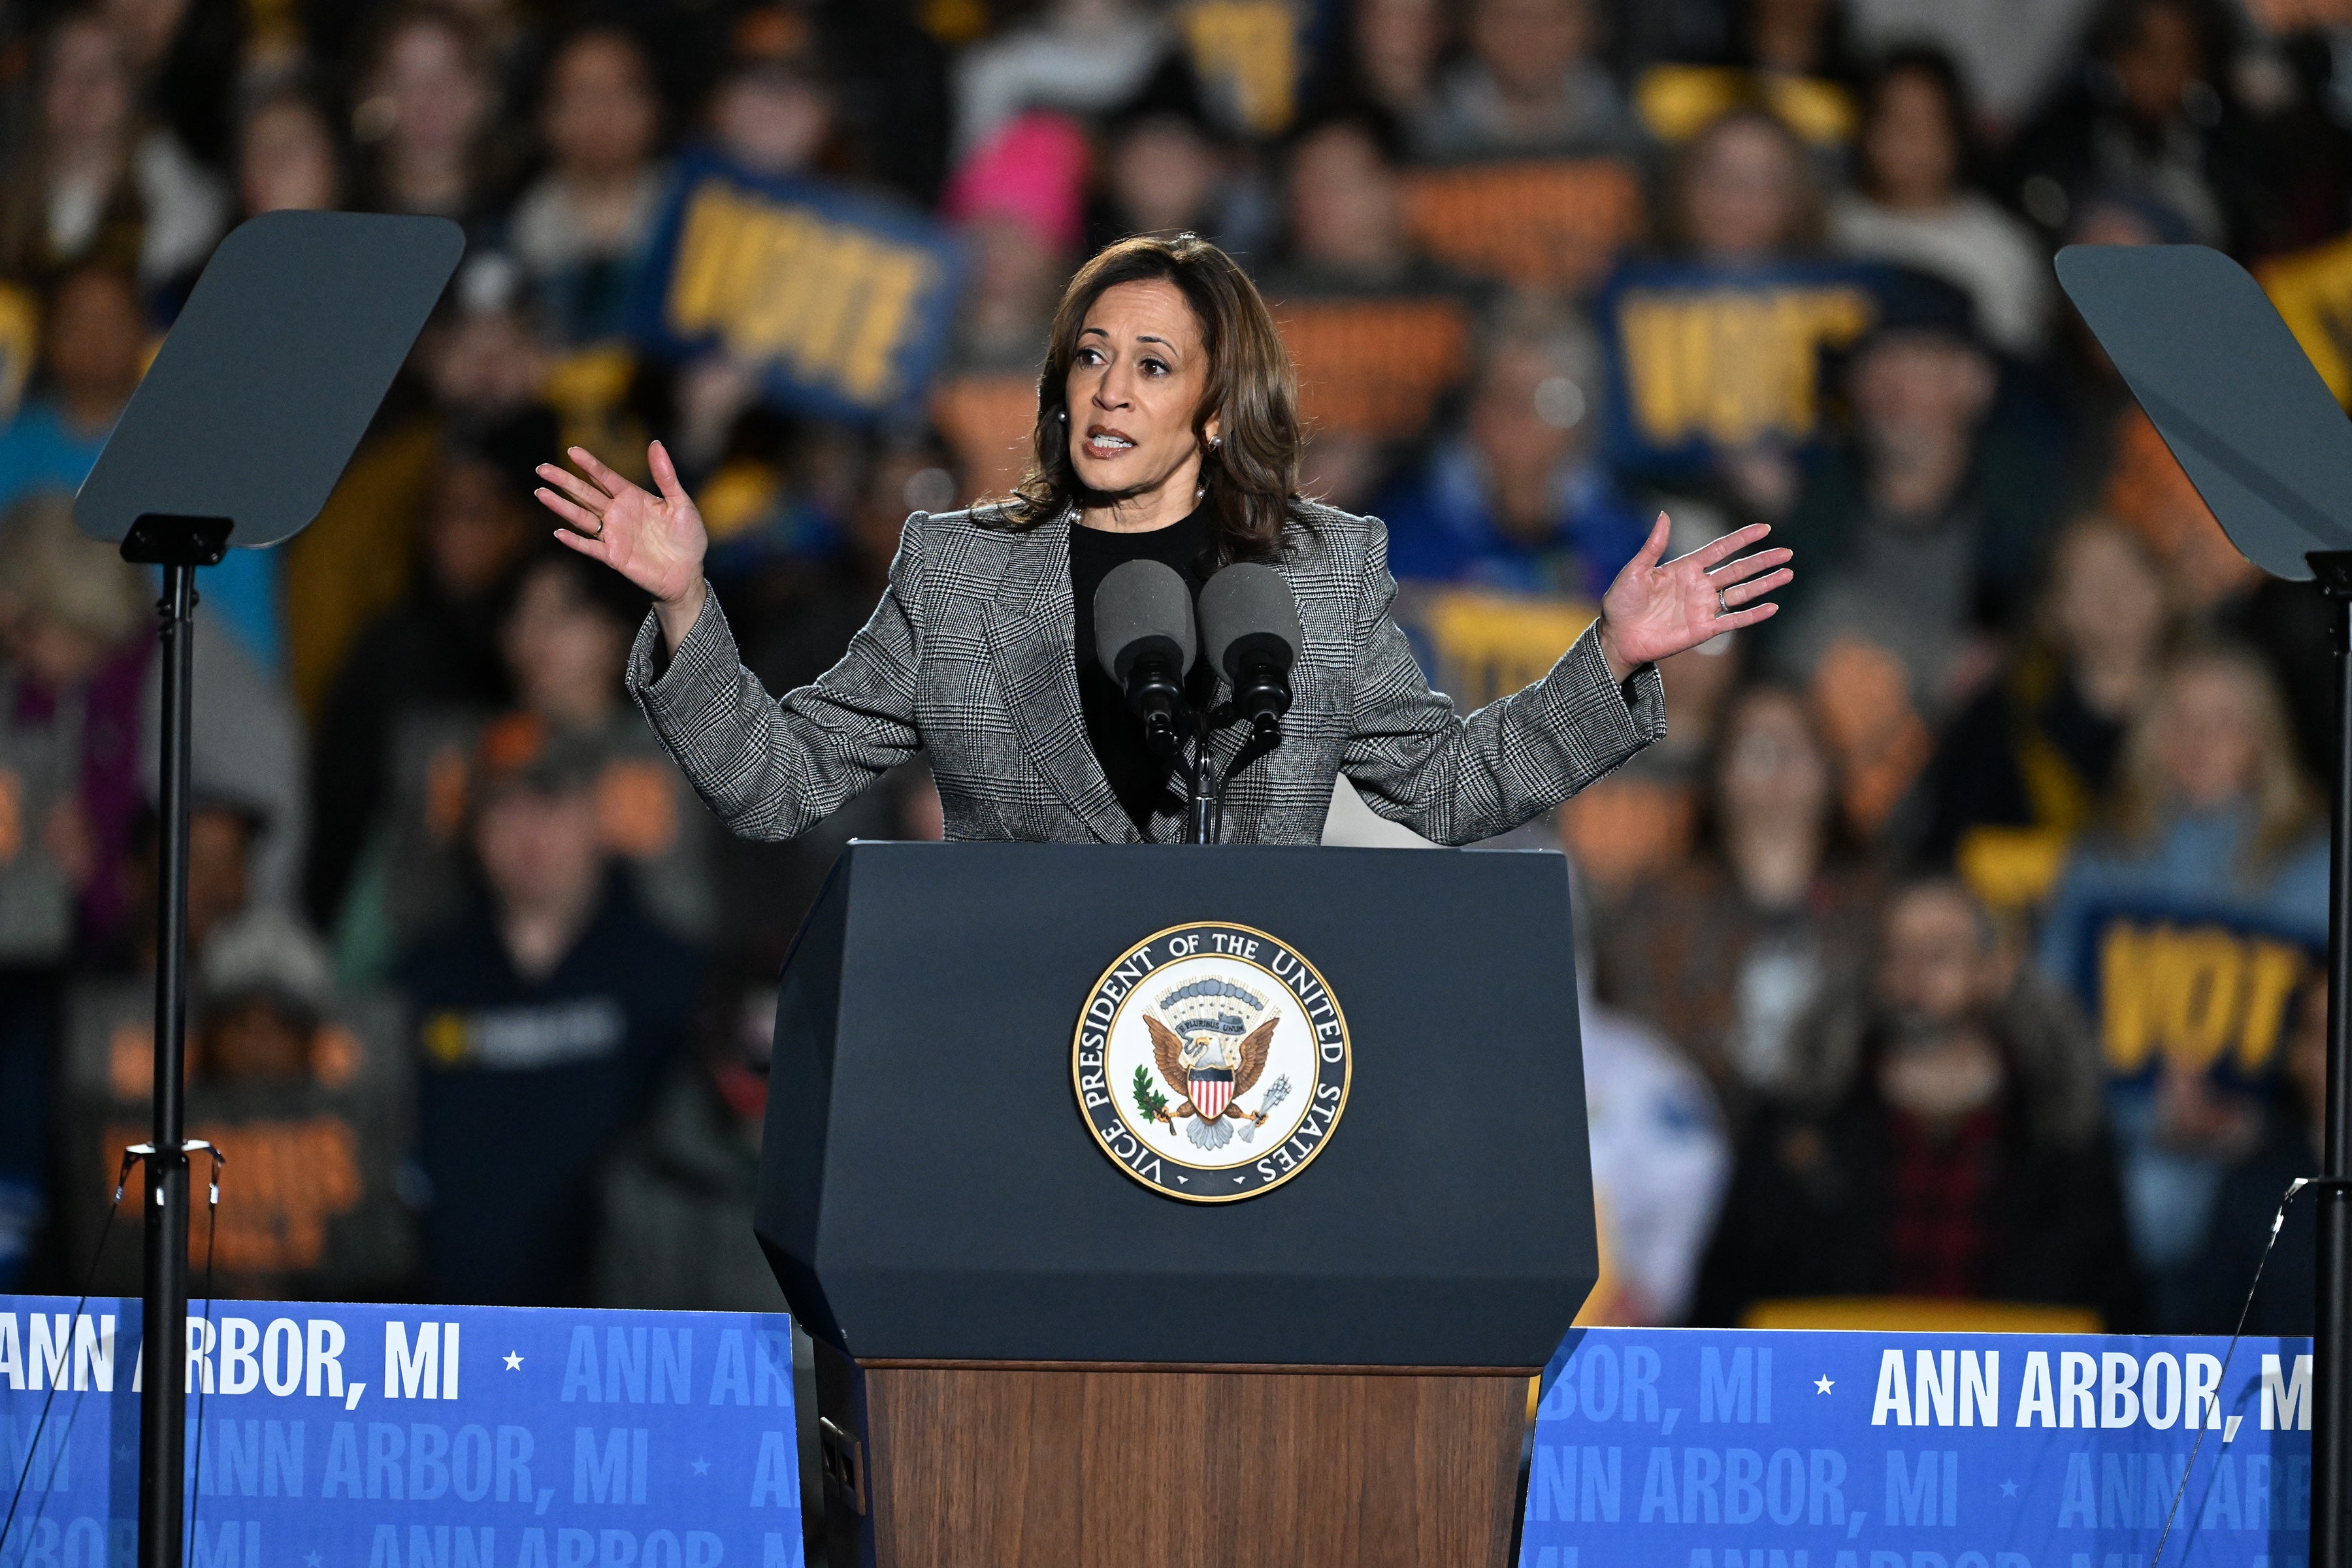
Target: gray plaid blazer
969 656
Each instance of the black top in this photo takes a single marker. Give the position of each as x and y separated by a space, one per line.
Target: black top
1144 783
526 1083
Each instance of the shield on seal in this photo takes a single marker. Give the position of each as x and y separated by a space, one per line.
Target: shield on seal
1212 1089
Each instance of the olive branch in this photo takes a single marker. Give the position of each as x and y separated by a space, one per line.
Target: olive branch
1148 1099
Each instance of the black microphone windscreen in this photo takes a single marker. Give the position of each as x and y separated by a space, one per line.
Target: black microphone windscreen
1246 599
1137 603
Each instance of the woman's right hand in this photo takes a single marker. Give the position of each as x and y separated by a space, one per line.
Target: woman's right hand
654 540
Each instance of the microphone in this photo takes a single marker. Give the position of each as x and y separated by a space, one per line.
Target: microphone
1144 641
1250 630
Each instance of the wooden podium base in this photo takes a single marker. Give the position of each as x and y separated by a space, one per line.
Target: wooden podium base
1043 1465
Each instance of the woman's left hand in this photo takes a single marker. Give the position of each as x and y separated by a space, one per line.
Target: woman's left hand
1654 611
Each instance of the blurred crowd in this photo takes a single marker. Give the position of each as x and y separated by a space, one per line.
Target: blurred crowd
1959 942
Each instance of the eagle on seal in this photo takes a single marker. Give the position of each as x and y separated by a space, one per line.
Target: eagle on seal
1210 1073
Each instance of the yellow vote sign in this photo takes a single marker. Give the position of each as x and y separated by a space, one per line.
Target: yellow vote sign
1711 358
843 299
2202 997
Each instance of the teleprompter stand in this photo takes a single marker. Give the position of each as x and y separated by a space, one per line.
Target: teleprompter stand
1027 1356
2269 451
236 435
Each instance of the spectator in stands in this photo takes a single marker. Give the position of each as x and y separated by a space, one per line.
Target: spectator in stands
107 1063
2027 764
1530 86
1938 1136
1388 55
488 356
307 1093
545 1019
2013 58
437 646
1723 953
96 184
2148 114
772 116
1660 1158
1742 195
426 113
2214 823
1515 502
678 1196
1741 221
580 228
1019 198
1916 204
2212 810
92 355
564 639
1346 212
287 159
1925 519
2236 1236
1165 168
70 657
1380 333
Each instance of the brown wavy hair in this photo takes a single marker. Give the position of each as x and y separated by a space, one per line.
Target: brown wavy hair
1251 477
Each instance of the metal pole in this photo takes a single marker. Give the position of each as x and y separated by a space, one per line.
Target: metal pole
164 1334
2331 1385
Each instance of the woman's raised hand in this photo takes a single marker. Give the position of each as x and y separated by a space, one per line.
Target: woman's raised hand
654 540
1654 611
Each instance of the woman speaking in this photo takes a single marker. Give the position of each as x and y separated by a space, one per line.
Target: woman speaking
1167 430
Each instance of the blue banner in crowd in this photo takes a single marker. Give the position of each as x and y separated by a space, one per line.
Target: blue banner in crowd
845 302
1702 1449
324 1436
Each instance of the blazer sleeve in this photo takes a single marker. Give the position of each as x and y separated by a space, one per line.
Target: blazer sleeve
1458 780
771 768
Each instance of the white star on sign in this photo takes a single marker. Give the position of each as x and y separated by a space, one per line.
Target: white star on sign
2009 1489
313 1559
514 1362
701 1467
1822 1384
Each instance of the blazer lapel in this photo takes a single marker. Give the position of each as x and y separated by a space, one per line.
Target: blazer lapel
1033 637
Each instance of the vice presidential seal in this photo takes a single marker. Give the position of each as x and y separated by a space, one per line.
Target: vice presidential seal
1211 1062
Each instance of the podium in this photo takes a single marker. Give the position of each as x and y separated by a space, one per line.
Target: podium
1065 1315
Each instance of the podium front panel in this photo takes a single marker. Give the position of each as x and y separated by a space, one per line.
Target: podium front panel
930 1190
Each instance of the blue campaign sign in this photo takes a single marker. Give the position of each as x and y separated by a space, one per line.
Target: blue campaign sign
1707 359
2205 988
846 302
1722 1449
325 1435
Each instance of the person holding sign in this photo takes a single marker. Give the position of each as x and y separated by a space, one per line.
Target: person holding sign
1167 429
2186 930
